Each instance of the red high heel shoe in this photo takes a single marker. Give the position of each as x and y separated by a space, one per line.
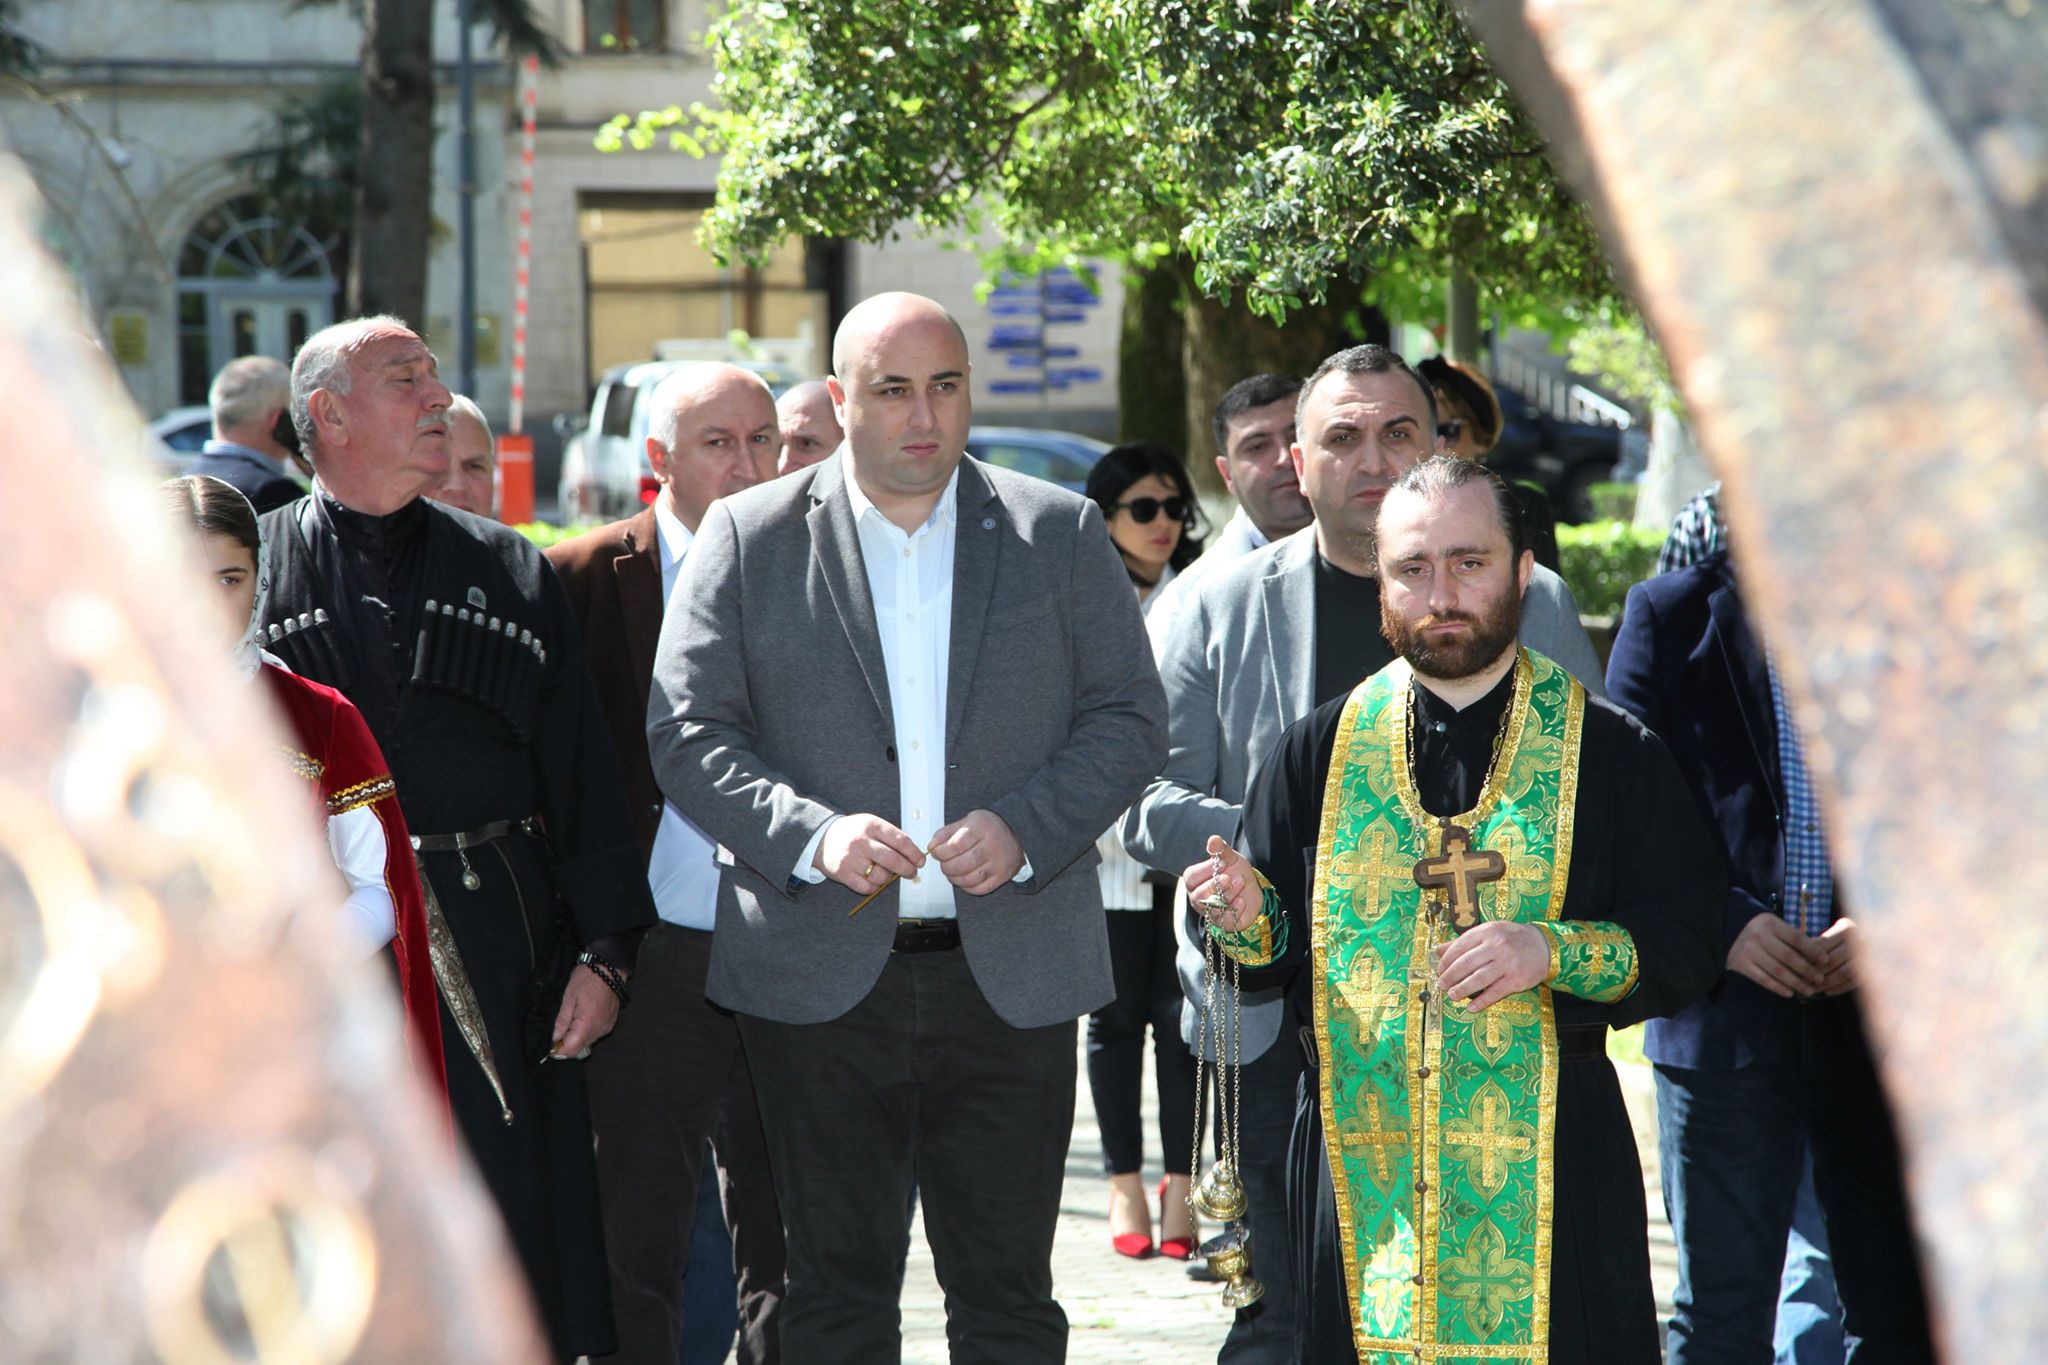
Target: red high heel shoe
1135 1245
1174 1248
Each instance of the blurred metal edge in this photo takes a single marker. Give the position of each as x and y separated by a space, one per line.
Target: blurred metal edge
211 1140
1867 367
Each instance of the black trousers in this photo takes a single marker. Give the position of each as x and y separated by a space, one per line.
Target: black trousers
538 1169
1141 951
921 1081
1263 1334
669 1077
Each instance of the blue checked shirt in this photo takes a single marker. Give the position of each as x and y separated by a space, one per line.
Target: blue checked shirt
1809 900
1696 532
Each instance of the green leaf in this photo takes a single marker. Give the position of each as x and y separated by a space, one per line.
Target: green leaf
1288 147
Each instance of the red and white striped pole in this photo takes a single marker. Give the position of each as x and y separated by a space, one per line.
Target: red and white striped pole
515 447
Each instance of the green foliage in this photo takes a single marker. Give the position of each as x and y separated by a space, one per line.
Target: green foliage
1613 501
514 25
1151 385
518 28
1601 560
1281 145
1626 1045
544 534
1612 344
306 168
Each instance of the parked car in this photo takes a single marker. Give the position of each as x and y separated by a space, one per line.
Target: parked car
1060 457
605 473
1564 458
175 439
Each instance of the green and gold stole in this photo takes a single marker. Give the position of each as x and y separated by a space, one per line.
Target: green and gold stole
1438 1124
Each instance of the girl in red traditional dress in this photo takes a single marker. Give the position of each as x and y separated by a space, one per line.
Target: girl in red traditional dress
334 752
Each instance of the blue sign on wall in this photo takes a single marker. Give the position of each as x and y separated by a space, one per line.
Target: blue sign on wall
1028 308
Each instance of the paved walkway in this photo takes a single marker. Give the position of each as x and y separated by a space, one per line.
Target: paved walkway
1125 1312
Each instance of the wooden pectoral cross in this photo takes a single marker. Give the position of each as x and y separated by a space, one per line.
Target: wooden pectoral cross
1459 869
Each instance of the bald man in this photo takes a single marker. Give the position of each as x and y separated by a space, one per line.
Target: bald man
673 1076
472 461
810 426
904 692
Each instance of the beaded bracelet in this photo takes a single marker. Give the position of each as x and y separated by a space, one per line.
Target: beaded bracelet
610 975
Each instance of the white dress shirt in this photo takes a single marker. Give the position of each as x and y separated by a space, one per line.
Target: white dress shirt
910 577
356 839
682 873
1122 877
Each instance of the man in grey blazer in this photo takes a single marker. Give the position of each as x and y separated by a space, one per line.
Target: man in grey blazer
1261 644
1253 427
903 675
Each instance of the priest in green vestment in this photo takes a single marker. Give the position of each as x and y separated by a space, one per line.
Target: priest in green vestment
1470 871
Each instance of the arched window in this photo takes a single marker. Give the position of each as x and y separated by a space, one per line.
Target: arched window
249 283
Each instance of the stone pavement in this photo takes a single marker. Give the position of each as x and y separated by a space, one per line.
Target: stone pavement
1125 1312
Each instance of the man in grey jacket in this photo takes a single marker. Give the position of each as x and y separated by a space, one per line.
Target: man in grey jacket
1253 426
904 692
1259 645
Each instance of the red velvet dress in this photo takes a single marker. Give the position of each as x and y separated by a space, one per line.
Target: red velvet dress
336 752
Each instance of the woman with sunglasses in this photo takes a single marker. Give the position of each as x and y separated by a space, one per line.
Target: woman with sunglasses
1149 505
1468 424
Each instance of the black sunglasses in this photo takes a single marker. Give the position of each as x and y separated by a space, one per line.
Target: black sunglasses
1449 430
1142 510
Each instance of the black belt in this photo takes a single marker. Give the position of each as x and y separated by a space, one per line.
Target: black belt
1575 1042
498 829
926 935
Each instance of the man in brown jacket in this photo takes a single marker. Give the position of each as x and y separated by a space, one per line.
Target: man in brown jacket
673 1075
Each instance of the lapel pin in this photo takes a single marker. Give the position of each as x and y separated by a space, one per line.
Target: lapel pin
988 523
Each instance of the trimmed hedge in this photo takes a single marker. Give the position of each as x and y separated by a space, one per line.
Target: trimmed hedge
1602 560
544 534
1613 501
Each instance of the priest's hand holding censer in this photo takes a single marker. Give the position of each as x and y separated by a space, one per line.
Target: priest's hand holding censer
1230 897
1223 887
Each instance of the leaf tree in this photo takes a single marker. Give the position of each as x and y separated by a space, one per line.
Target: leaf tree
391 175
1286 163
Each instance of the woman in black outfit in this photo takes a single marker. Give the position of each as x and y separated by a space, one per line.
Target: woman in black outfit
1149 506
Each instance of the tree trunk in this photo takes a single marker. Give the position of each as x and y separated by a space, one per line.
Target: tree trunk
1223 343
394 202
1151 390
1677 471
1461 319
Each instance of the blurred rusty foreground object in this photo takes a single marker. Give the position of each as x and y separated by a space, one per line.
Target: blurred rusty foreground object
1836 218
212 1148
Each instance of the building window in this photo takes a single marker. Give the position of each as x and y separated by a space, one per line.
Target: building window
249 283
651 283
624 25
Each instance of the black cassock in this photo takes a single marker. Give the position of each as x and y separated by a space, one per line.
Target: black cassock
486 712
1642 858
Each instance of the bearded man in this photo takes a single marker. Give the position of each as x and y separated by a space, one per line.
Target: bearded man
1467 870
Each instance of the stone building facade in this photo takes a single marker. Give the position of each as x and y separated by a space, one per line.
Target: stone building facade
146 109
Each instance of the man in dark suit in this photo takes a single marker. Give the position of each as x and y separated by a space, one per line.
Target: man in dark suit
672 1074
903 677
1776 1054
248 397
